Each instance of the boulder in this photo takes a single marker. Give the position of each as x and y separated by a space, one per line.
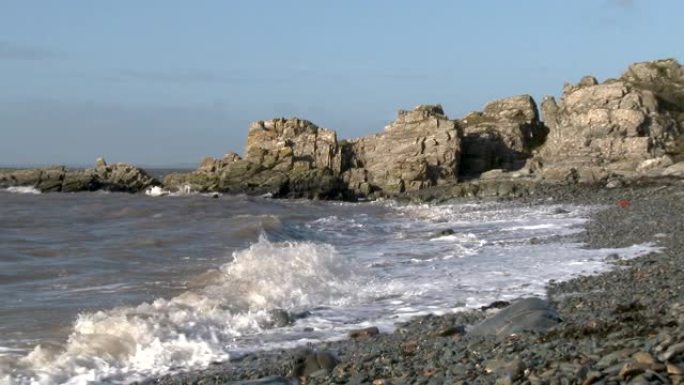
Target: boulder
502 136
529 315
420 148
307 363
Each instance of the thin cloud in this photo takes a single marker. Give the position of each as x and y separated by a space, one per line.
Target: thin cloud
624 4
191 76
9 51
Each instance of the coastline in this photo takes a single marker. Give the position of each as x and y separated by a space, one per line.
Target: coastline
621 326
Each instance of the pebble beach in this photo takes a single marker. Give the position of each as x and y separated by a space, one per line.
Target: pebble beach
621 327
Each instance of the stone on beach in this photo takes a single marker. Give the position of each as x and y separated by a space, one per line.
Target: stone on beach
526 315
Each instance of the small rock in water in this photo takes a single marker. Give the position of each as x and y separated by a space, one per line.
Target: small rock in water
495 305
277 318
445 232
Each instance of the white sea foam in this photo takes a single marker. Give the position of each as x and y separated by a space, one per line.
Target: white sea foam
156 191
197 327
23 190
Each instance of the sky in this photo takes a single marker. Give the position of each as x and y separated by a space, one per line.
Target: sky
166 82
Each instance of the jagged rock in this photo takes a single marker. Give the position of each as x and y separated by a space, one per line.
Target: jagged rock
77 180
123 177
210 164
286 144
502 136
192 181
419 149
618 125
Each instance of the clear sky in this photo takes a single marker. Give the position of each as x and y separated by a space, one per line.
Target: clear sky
165 82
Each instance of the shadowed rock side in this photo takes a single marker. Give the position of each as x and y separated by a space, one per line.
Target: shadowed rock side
500 137
120 177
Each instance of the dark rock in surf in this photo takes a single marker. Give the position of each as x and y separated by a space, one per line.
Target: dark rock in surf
495 305
117 177
443 233
277 318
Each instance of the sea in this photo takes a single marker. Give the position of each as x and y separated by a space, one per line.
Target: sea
112 288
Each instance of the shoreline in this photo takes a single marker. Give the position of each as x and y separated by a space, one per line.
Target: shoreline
617 326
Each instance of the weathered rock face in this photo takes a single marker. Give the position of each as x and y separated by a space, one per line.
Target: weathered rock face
117 177
500 137
614 126
286 158
630 125
210 164
665 78
286 144
123 177
419 149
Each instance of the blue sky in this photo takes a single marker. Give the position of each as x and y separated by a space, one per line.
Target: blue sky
166 82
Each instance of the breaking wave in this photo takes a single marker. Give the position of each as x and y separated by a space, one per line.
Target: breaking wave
23 190
197 327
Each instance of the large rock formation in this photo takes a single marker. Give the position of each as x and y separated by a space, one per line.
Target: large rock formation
295 158
287 158
292 144
618 126
500 137
117 177
420 148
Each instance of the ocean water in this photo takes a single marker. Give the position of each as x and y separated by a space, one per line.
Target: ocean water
110 288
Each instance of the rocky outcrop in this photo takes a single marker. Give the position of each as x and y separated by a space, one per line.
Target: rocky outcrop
596 133
500 137
117 177
285 158
292 144
294 158
420 148
616 127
